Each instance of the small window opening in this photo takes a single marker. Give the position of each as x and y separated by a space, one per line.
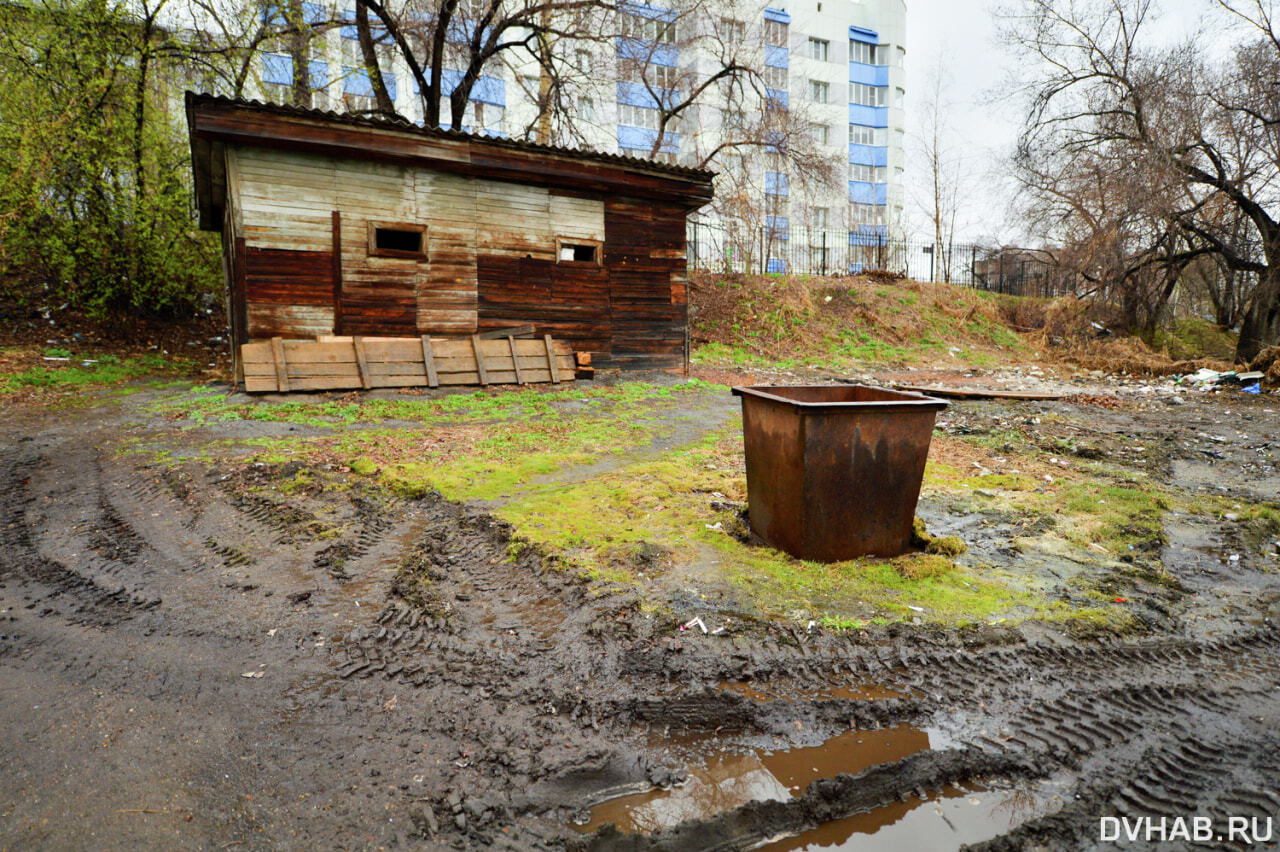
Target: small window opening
397 240
580 252
393 239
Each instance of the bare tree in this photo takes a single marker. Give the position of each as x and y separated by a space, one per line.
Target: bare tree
942 166
1213 125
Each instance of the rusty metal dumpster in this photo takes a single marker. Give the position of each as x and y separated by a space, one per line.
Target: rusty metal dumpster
834 472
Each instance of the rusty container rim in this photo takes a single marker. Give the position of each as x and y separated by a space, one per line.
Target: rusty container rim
907 400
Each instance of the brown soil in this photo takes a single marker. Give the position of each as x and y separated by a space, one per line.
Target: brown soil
199 656
788 318
26 331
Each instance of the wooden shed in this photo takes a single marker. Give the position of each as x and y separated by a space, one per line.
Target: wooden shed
336 224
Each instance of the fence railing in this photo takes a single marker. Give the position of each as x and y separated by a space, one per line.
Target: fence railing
814 251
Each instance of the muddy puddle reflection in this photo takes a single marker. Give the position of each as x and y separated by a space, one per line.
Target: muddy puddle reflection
727 781
944 820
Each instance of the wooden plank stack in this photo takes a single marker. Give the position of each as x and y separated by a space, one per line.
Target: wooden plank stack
341 363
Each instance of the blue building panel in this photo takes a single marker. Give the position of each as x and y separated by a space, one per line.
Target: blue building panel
778 98
863 34
644 10
777 266
868 235
868 155
314 13
487 90
642 139
868 116
277 68
777 15
349 30
490 90
356 82
871 75
652 53
779 227
865 192
637 94
777 57
777 183
319 71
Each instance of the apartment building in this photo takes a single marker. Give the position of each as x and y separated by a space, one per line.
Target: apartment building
832 67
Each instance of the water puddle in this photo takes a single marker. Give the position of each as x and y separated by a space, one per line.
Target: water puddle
727 781
761 692
941 821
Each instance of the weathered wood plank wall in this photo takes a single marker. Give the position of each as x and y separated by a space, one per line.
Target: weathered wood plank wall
491 257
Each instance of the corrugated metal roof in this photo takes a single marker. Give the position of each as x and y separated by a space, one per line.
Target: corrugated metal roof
389 123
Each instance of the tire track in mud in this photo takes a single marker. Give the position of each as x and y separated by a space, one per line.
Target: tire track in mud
86 591
1146 728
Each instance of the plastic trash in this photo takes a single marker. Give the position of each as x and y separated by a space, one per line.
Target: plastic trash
1254 388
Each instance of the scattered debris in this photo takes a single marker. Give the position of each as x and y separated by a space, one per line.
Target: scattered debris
978 393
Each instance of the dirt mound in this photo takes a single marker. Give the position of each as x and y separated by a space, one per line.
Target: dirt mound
870 318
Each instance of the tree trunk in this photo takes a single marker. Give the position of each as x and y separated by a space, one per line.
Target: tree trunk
1260 327
372 67
299 50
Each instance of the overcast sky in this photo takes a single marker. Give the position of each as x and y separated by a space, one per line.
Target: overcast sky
965 34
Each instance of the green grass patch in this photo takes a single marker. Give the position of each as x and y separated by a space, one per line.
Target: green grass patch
1196 338
86 372
203 405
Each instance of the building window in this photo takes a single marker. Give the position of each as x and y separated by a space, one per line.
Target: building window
821 133
634 71
861 135
582 61
775 33
861 93
818 215
819 48
586 109
866 214
574 250
871 174
397 239
898 95
732 32
634 116
649 29
775 78
732 118
482 117
867 54
818 91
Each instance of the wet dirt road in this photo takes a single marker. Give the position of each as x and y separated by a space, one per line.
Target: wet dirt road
190 658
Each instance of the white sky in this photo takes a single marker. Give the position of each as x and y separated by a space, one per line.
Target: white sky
984 128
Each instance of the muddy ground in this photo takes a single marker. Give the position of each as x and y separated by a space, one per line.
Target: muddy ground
190 658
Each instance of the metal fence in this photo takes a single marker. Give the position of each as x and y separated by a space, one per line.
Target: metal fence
813 251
